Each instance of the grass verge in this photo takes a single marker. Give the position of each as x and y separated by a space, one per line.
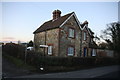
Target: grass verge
19 63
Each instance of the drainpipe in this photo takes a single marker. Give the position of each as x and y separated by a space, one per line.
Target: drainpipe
45 43
81 44
25 52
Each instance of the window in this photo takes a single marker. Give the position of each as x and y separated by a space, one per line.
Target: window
71 33
70 51
49 50
93 52
85 36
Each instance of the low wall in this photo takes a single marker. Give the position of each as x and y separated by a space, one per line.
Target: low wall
105 53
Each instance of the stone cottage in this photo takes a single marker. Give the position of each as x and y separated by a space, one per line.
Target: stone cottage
62 36
88 46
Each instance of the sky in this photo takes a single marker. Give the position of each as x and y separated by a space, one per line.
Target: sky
119 11
21 19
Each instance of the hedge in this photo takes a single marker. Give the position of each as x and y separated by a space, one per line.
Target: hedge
14 50
38 60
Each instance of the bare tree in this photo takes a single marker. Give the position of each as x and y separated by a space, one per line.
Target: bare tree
30 44
112 36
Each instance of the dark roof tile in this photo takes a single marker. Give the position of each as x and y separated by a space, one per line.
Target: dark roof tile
52 24
90 31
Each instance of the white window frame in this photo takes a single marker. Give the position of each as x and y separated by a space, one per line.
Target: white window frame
50 50
70 51
71 33
93 52
43 45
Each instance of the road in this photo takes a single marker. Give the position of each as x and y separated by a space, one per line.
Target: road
111 75
10 70
99 72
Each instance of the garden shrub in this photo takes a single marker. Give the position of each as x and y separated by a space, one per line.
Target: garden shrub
73 61
37 59
14 50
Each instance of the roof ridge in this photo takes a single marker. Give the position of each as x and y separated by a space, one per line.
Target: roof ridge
68 14
62 16
50 24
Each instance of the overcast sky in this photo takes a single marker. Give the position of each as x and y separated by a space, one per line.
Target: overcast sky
21 19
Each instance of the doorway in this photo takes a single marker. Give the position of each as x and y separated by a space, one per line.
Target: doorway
85 52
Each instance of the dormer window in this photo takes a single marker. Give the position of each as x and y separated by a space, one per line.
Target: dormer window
71 33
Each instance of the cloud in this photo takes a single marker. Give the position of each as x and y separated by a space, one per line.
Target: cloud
8 38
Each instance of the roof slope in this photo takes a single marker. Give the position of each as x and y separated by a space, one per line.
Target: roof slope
93 45
52 24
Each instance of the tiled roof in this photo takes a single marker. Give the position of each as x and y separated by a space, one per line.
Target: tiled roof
52 24
90 31
93 45
82 25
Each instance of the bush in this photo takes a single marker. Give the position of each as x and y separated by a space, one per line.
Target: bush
13 49
106 61
37 60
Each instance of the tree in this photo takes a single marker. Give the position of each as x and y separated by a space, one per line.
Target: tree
13 49
103 45
112 36
96 39
30 44
109 44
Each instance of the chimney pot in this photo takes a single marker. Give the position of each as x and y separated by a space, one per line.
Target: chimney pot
56 14
86 22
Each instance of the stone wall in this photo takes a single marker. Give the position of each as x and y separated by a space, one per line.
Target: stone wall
59 39
85 43
105 53
66 41
53 40
39 39
50 37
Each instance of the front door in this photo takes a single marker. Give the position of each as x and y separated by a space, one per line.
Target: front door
85 52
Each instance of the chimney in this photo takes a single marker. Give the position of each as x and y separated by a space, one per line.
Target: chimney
56 14
86 22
